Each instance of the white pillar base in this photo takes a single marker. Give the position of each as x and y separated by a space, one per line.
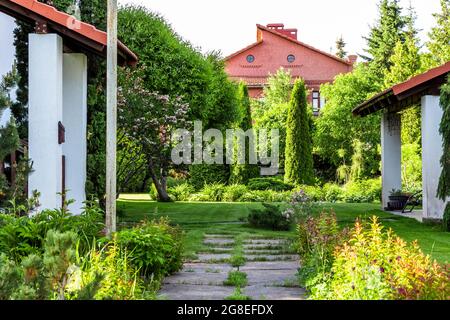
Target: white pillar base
45 111
391 155
433 207
75 123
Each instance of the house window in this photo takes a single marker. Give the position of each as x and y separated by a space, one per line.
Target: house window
250 58
291 58
316 101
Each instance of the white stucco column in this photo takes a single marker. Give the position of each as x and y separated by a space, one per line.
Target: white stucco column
433 207
391 155
75 123
45 111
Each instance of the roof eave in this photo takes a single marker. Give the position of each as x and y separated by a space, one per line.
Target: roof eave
264 28
74 39
374 104
243 50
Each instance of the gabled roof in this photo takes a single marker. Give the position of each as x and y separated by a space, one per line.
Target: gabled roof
244 49
406 93
261 27
76 34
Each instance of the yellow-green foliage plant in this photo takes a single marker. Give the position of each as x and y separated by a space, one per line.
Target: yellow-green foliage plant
377 265
105 274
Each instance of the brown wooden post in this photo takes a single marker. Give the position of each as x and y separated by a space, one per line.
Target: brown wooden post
63 183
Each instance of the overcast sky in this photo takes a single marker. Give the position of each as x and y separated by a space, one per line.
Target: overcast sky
230 25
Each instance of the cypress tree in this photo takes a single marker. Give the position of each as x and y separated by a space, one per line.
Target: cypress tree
444 181
299 160
241 173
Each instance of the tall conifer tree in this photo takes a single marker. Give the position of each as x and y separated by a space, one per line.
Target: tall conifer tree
299 159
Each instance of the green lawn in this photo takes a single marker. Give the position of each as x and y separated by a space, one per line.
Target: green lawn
204 217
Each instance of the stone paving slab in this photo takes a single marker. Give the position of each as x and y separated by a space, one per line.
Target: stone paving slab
195 292
266 241
264 252
259 292
218 241
218 249
206 257
206 267
220 236
263 246
270 265
273 277
196 278
279 257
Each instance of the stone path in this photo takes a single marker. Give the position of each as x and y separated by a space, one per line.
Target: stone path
271 270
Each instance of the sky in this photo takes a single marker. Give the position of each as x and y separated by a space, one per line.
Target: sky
230 25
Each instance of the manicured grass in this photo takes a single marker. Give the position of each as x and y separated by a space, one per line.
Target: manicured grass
202 218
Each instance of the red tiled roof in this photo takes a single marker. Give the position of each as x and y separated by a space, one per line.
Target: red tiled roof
418 85
273 31
81 35
421 79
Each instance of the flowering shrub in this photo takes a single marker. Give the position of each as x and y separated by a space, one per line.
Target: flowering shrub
374 264
317 238
302 204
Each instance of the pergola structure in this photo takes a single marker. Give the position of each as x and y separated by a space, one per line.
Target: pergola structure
423 89
58 98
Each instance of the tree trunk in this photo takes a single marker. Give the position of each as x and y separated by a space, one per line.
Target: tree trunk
161 186
145 181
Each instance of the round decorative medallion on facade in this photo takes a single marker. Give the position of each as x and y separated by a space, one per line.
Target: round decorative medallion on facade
250 58
291 58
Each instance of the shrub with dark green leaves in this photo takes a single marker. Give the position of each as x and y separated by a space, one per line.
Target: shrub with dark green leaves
269 184
22 236
201 175
333 192
154 247
362 191
271 217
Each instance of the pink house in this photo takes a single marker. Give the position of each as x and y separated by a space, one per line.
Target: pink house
277 47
